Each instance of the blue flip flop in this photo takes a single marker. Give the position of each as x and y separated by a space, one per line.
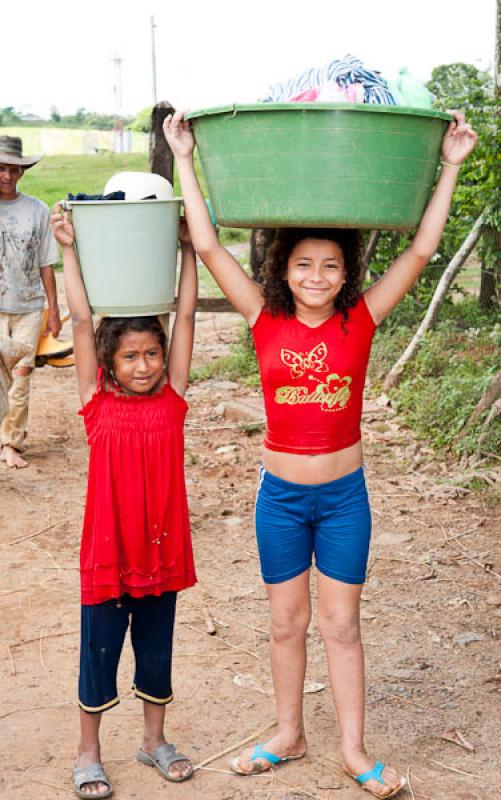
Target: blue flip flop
376 774
260 753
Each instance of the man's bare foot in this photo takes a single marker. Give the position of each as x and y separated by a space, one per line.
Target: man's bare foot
279 746
12 458
358 762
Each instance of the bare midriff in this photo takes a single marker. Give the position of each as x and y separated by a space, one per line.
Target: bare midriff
308 469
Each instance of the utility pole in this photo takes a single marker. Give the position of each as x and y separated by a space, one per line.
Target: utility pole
117 92
153 60
117 85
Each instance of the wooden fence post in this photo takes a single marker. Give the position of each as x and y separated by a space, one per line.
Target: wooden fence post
161 158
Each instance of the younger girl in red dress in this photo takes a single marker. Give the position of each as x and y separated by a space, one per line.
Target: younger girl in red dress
312 327
136 547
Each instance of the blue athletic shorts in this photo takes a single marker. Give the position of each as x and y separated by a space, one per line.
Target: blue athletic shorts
295 520
103 630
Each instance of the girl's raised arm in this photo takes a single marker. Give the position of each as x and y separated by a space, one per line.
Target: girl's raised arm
383 296
240 290
84 343
181 346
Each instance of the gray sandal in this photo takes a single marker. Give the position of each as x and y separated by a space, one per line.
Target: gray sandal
163 758
94 773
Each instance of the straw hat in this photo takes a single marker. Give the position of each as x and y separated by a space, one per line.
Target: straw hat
52 351
11 152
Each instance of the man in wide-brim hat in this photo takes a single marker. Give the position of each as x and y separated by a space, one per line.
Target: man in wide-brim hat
27 256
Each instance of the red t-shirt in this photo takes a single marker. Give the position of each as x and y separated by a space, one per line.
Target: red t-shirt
136 534
313 379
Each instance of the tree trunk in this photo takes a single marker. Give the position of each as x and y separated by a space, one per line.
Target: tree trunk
490 271
260 241
161 158
371 247
393 377
493 413
369 252
489 397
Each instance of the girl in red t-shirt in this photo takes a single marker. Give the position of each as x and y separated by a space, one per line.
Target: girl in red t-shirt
136 548
312 328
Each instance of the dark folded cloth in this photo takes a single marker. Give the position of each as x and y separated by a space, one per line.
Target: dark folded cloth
83 196
113 196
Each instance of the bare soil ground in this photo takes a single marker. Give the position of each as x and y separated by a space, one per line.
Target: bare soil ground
431 616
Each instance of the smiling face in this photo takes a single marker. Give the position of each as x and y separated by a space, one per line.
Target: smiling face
315 273
139 362
10 174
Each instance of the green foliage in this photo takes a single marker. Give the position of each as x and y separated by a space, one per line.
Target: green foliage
9 116
443 384
142 121
82 118
464 87
230 236
459 86
90 119
449 401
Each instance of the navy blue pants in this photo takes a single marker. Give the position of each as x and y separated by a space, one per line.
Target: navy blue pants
103 629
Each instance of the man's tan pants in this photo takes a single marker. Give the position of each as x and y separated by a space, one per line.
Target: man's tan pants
19 334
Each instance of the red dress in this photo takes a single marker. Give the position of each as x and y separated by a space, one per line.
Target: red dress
136 534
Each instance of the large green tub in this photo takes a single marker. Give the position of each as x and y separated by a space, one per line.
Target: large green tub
321 165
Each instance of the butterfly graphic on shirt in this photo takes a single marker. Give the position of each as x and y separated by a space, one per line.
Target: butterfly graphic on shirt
299 363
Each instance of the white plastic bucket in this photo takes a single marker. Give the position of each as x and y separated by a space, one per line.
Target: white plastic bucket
127 252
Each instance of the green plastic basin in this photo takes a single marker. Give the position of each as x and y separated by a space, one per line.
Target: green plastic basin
127 252
321 164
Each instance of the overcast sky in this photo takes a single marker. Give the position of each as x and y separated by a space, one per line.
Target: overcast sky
212 52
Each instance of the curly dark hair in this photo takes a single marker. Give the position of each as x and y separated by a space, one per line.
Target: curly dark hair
111 329
277 295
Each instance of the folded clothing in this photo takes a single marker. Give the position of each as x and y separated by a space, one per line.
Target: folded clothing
344 73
